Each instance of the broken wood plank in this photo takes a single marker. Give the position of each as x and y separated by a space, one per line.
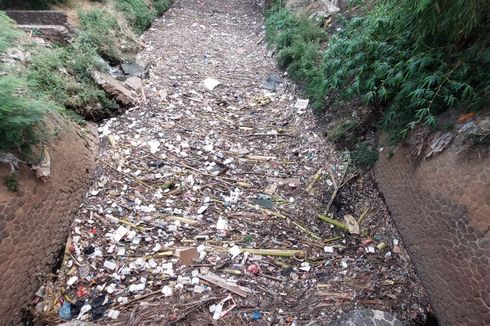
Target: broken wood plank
181 219
335 295
336 185
275 252
315 179
216 280
261 157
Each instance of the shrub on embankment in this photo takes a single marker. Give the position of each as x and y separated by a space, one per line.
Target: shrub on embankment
139 14
412 59
19 111
60 77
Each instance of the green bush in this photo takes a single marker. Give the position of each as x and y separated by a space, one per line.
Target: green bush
344 131
364 155
402 57
101 30
7 32
414 59
138 13
297 41
162 6
63 75
19 112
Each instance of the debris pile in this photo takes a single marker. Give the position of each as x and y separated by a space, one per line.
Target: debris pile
210 204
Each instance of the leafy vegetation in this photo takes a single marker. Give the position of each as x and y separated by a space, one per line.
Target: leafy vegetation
10 182
297 41
19 112
162 6
364 155
7 33
414 59
101 30
62 75
138 13
344 131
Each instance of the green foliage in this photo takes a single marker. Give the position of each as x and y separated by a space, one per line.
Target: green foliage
19 113
297 41
413 58
364 155
138 13
162 6
380 58
7 32
63 75
100 29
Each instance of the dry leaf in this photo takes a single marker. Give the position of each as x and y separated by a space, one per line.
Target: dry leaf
352 224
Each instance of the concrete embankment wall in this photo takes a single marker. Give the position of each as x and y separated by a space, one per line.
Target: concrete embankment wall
441 207
34 222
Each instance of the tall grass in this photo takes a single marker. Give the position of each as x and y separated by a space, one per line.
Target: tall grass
20 113
139 14
61 76
297 41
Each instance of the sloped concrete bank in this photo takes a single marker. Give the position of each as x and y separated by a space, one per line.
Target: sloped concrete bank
34 222
442 209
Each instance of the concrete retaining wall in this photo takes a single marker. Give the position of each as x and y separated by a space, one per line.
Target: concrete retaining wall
442 210
34 222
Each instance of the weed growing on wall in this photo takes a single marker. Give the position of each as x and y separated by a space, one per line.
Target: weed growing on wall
100 29
162 6
138 13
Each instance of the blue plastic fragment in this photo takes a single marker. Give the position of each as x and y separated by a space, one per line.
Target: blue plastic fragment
256 315
65 311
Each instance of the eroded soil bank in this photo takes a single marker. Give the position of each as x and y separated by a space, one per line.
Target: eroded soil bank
198 184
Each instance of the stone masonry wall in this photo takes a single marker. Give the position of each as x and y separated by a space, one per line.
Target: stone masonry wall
38 17
442 209
34 222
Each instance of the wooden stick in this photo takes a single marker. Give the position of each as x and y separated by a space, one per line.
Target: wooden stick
271 135
140 298
181 219
265 252
335 295
332 239
316 177
275 252
335 223
362 216
337 188
216 280
261 157
127 175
